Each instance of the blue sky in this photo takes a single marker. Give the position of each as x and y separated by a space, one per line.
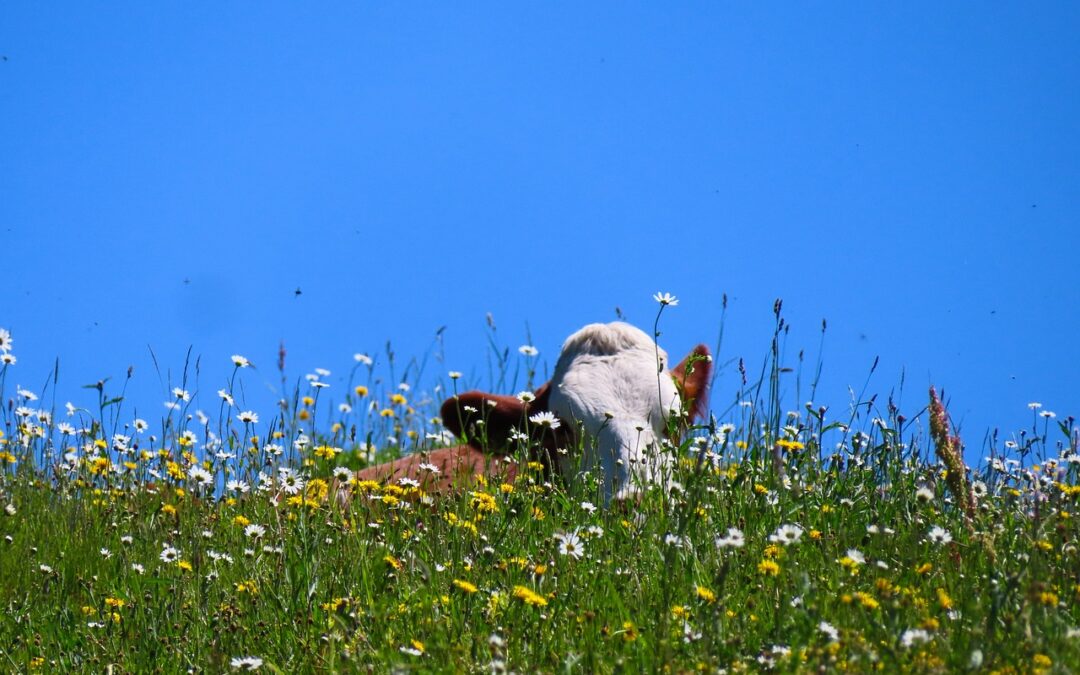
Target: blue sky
174 172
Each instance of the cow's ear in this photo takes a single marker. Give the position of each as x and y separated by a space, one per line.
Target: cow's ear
485 420
692 377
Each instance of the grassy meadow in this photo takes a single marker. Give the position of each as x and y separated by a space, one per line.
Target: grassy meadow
800 538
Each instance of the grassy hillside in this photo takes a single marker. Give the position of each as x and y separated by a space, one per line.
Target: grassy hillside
796 540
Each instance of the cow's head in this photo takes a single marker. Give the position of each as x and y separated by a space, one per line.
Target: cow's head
611 382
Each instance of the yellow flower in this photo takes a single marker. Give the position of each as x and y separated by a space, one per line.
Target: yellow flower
924 568
815 534
790 445
398 399
465 586
769 568
529 597
680 611
307 400
386 412
241 521
184 565
943 599
1048 598
629 631
483 502
118 603
246 587
361 391
706 594
168 509
1042 661
866 600
392 562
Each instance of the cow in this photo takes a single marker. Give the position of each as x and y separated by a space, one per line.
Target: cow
611 384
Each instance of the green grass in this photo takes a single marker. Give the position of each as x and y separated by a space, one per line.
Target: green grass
482 584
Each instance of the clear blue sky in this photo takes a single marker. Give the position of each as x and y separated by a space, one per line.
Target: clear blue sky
171 173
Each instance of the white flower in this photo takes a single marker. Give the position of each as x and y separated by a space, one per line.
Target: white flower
127 540
343 474
830 630
363 358
856 556
246 662
226 396
914 636
526 396
528 350
734 538
455 375
407 482
786 534
137 568
588 507
569 544
200 475
26 394
181 394
106 553
240 361
254 531
10 509
924 494
45 569
5 340
248 417
411 651
345 408
1034 405
545 419
938 535
291 481
169 554
666 299
7 359
429 467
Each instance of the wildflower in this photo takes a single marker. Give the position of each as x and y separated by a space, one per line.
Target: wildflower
588 507
786 534
629 631
5 340
546 419
7 359
938 535
528 350
526 396
254 531
181 394
454 375
769 568
226 396
914 636
248 417
169 554
706 594
529 597
291 481
137 568
45 569
106 553
465 586
829 630
10 509
200 475
666 299
416 648
734 538
240 361
246 662
570 544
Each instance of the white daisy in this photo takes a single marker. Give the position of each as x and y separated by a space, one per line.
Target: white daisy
786 534
666 299
546 419
240 361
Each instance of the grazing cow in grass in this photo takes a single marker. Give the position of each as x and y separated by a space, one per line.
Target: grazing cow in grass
611 381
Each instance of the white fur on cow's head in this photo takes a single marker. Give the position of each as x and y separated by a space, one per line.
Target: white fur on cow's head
609 380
